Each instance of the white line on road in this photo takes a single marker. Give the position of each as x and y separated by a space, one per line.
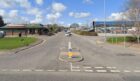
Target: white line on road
127 71
75 70
70 66
98 67
111 67
26 70
63 70
115 71
16 70
101 71
76 67
88 70
137 71
4 70
39 70
87 67
50 70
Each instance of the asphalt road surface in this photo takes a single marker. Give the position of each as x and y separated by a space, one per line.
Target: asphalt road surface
101 62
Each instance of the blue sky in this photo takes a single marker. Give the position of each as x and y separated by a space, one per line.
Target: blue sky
59 11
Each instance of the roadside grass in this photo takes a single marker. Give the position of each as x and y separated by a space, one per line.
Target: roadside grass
85 33
15 42
114 40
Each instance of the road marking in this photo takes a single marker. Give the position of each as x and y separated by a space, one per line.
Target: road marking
50 70
111 67
4 70
88 70
87 67
75 67
70 66
98 67
16 70
137 71
127 71
26 70
63 70
101 71
39 70
115 71
74 70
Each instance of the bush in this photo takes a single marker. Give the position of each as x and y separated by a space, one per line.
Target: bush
86 33
131 39
121 39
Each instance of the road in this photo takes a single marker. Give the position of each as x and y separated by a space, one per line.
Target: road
102 62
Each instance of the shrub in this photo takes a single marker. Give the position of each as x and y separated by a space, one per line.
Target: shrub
86 33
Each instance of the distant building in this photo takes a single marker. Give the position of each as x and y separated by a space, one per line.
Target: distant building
25 29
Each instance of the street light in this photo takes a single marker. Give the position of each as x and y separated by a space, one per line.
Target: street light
105 20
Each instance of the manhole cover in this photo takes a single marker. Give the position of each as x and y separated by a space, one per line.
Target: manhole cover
125 54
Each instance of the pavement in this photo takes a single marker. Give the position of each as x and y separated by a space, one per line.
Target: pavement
102 62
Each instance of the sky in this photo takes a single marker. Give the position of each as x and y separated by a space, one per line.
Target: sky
63 12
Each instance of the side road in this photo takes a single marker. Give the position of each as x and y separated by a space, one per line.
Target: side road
100 42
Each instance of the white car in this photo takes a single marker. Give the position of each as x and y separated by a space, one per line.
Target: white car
2 34
68 34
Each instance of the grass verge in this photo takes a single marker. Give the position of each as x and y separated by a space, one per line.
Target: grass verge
114 40
15 42
85 33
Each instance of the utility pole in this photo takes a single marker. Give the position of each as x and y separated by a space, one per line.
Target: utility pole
105 20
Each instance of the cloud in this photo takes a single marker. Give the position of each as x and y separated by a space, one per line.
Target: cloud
56 12
79 15
34 11
38 19
14 3
58 7
53 17
88 1
117 16
40 2
13 13
2 12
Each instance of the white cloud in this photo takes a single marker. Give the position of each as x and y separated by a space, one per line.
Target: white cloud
58 7
53 17
117 16
24 3
56 12
13 13
40 2
2 12
88 1
38 19
34 11
13 3
79 15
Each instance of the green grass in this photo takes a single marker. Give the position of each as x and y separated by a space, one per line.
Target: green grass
121 39
15 42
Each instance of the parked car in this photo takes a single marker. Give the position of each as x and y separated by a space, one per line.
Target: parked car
2 34
68 33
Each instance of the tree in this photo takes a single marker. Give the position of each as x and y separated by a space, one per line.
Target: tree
133 14
1 21
74 25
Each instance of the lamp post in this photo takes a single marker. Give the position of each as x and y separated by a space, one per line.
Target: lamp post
105 20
